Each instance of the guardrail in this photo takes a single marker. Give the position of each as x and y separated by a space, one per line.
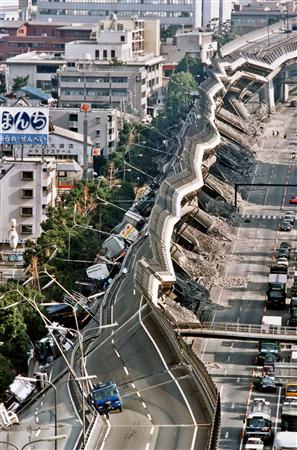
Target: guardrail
239 331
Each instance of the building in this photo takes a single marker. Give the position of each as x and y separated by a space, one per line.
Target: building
189 13
28 187
196 43
62 144
119 67
17 37
104 126
9 9
248 20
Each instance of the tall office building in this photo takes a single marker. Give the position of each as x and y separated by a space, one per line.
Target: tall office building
195 13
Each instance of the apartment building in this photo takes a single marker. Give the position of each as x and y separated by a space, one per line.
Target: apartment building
28 186
27 189
119 67
18 36
196 43
104 126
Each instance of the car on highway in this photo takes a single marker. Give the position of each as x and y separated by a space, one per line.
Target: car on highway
289 216
283 253
283 261
265 384
285 244
293 199
285 226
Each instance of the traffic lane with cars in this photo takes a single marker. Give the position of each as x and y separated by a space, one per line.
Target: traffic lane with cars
152 391
247 303
150 394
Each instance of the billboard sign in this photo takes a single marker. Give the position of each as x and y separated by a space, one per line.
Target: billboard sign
24 126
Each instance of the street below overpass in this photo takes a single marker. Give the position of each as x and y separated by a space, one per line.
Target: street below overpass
231 363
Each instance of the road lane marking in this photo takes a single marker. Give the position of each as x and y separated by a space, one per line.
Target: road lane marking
117 353
126 370
138 394
36 419
227 435
245 415
233 405
149 417
147 446
143 404
193 443
229 358
277 409
38 432
133 385
152 430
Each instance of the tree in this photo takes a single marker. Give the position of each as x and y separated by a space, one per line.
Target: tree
6 375
19 82
192 65
179 91
19 324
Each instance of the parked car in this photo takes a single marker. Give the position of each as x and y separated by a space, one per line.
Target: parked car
285 226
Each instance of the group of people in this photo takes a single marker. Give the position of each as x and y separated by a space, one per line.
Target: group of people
276 134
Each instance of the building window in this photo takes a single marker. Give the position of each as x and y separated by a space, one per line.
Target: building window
112 53
104 54
26 229
27 176
27 211
122 38
26 193
97 132
97 54
98 120
62 174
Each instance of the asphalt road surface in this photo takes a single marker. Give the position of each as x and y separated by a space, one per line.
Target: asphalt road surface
232 362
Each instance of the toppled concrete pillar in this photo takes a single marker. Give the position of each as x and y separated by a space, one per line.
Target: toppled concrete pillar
229 132
240 108
188 236
231 119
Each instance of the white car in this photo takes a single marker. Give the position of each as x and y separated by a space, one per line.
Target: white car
282 261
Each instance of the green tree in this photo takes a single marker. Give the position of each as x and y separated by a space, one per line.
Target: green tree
19 82
6 375
19 324
179 91
193 65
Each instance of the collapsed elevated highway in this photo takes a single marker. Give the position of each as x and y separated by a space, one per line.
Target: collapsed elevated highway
247 67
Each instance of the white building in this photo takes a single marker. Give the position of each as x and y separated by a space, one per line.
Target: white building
185 13
27 188
104 126
62 144
9 9
196 43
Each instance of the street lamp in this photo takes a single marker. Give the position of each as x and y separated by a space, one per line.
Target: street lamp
267 9
83 368
35 380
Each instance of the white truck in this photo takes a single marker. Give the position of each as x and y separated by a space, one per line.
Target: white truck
258 421
285 440
271 323
254 443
